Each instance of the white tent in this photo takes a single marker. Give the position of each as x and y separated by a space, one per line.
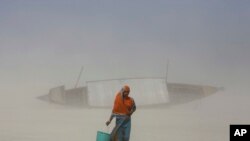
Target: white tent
145 91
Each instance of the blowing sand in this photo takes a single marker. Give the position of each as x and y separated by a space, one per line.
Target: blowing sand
207 119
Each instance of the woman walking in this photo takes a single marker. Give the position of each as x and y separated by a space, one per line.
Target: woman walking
124 107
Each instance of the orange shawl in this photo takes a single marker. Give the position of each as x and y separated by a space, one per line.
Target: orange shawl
122 105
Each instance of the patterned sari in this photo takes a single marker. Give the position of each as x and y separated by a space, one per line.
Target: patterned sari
121 131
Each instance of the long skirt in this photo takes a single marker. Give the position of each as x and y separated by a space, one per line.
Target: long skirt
121 131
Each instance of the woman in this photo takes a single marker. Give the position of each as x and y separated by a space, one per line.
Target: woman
124 107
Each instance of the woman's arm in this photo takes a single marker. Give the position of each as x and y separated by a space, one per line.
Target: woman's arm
112 113
110 119
133 109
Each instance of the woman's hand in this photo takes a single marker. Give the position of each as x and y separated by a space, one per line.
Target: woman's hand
108 122
129 114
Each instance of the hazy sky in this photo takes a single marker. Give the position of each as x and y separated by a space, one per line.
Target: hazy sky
45 42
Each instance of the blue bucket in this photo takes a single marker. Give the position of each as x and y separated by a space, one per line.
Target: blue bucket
101 136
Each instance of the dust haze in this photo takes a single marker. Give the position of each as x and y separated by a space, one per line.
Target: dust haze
43 44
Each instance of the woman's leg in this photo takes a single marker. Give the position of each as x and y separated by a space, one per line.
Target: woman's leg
119 132
122 130
126 130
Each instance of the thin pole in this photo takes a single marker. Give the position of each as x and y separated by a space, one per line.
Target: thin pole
78 79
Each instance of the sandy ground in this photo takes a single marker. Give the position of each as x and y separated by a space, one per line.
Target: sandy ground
82 124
